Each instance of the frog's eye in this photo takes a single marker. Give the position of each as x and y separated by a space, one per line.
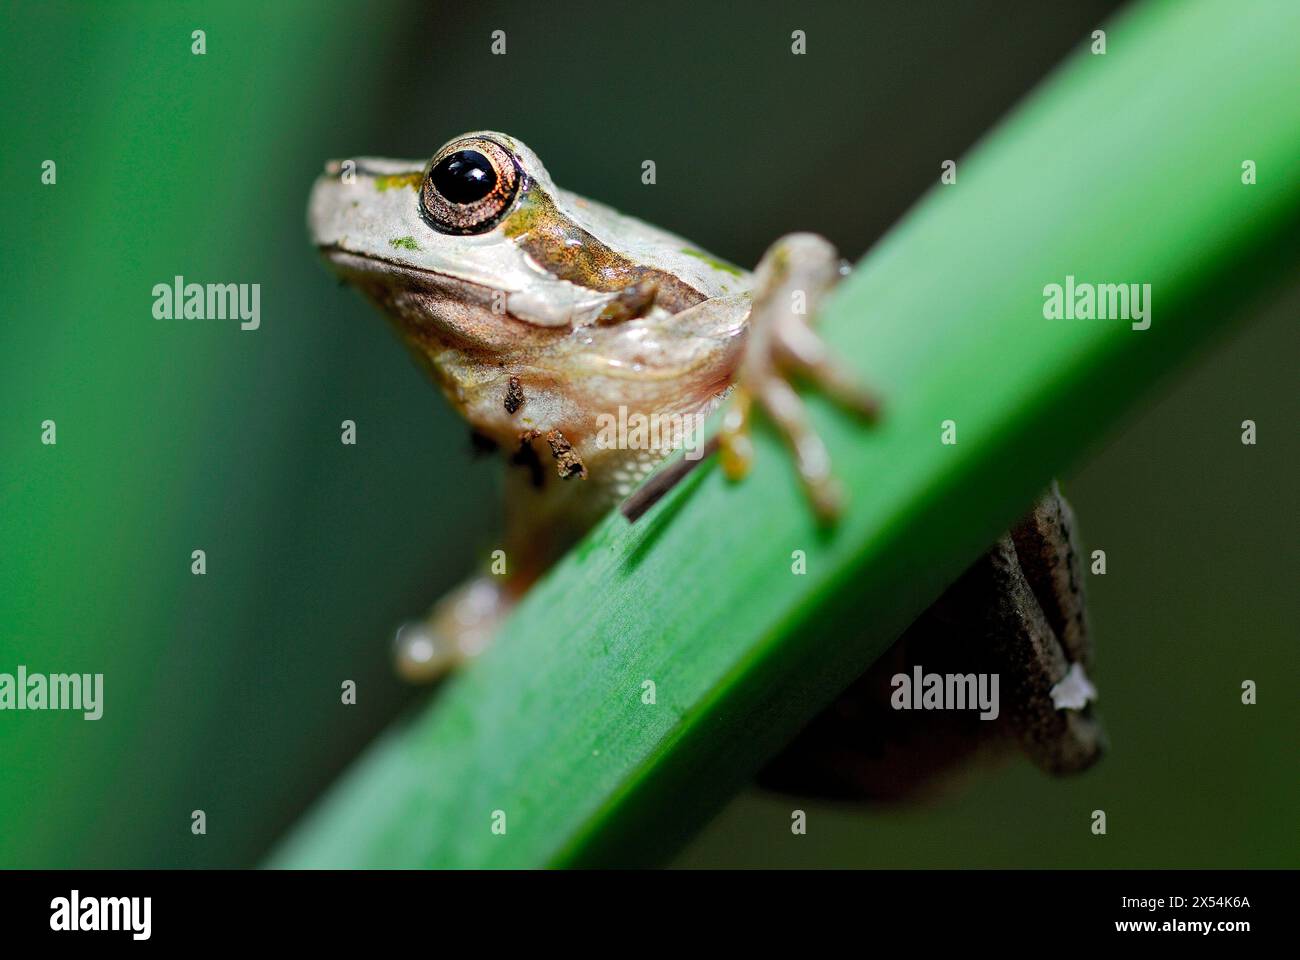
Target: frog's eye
469 187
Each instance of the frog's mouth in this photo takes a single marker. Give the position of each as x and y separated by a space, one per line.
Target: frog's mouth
388 280
348 264
436 310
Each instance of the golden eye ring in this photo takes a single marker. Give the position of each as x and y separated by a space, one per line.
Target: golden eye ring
469 186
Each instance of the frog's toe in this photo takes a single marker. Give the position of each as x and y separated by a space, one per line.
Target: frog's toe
459 627
811 458
420 653
734 443
805 354
787 412
791 280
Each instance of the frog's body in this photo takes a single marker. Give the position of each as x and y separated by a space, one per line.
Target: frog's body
543 315
582 308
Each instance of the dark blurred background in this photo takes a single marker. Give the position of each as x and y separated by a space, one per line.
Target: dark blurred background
222 691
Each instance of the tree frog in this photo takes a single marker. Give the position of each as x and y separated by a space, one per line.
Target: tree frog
541 314
537 311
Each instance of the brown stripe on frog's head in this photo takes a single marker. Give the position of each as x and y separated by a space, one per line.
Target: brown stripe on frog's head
568 252
486 184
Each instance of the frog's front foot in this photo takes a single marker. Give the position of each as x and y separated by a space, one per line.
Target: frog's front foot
790 281
459 627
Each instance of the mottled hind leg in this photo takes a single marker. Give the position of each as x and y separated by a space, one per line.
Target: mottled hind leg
790 282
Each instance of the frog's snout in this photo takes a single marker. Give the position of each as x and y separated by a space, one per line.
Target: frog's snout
338 199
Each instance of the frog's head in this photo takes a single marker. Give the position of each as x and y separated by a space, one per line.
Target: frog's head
478 244
495 276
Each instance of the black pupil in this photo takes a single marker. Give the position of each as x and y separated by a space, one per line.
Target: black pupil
464 176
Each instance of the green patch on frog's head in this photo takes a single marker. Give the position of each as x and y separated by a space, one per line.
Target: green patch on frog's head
395 181
714 262
404 243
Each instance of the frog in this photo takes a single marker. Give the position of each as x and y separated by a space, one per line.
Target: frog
540 314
